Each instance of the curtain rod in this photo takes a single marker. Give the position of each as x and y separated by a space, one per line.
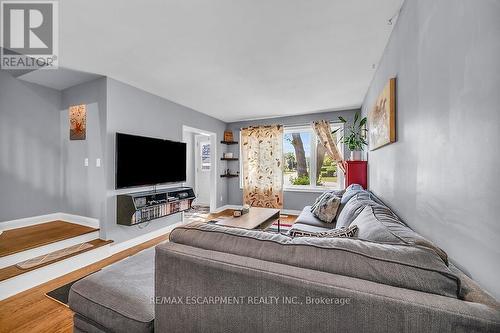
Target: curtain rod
265 126
293 125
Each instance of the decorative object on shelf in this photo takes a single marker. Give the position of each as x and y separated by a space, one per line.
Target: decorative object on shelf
326 138
262 156
227 155
228 136
382 117
228 174
78 122
354 136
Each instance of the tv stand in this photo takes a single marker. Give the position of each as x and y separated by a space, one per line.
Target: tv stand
140 207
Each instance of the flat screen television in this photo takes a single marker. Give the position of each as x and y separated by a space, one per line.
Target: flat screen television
142 161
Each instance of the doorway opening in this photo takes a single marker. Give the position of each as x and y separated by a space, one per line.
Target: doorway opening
201 166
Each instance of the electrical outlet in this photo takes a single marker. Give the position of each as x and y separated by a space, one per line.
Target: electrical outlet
98 162
86 162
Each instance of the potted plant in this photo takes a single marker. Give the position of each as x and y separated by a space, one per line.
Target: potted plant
354 136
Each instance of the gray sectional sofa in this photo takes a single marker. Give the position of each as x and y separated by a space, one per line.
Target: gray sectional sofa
388 278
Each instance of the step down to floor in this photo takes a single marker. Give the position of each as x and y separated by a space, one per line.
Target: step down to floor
26 238
51 258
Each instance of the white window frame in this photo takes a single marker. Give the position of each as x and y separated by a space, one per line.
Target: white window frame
312 166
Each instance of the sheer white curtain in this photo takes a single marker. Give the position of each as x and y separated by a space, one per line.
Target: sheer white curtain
262 158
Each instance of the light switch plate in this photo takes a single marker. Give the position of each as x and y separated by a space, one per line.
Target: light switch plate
98 162
86 162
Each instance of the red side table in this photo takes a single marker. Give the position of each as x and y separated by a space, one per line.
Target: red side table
356 173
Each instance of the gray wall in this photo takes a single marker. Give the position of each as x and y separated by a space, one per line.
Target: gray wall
441 176
84 188
134 111
29 149
294 200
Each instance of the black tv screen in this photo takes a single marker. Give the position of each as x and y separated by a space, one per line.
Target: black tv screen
148 161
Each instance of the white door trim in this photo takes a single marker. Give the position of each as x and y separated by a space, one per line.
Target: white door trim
213 159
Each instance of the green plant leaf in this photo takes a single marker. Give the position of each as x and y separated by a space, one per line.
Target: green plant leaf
362 122
342 119
356 117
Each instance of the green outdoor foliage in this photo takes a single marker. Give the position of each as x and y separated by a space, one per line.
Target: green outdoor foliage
354 134
304 180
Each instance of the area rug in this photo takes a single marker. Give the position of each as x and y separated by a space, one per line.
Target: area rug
284 227
61 294
197 213
52 256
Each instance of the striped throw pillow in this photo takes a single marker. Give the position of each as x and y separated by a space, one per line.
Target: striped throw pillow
348 232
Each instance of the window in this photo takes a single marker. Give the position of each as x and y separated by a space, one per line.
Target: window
306 164
205 156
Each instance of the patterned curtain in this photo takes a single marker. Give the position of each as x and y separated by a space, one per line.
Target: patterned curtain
262 156
324 134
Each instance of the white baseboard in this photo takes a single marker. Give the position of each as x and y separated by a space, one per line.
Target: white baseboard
118 247
29 221
78 219
39 276
221 208
290 212
283 211
24 222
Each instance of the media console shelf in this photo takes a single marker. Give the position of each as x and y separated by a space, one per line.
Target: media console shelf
140 207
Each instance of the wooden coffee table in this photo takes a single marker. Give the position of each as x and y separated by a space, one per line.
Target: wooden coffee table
253 219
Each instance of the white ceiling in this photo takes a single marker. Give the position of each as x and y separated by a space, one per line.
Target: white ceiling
232 59
58 79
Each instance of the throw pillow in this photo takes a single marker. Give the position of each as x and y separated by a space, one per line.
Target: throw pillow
343 232
338 193
326 209
317 201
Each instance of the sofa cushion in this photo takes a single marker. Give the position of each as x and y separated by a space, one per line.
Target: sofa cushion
350 191
307 217
353 207
311 228
379 224
118 297
397 265
326 209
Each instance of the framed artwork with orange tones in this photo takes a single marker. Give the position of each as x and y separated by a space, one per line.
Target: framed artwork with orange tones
382 117
77 122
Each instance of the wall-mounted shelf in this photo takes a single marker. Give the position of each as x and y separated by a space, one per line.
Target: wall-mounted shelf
229 158
140 207
229 142
229 176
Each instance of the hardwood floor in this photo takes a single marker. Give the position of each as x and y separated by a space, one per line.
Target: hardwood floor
32 311
26 238
11 271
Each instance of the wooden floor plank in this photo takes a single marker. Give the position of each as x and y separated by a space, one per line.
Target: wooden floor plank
32 311
12 271
26 238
